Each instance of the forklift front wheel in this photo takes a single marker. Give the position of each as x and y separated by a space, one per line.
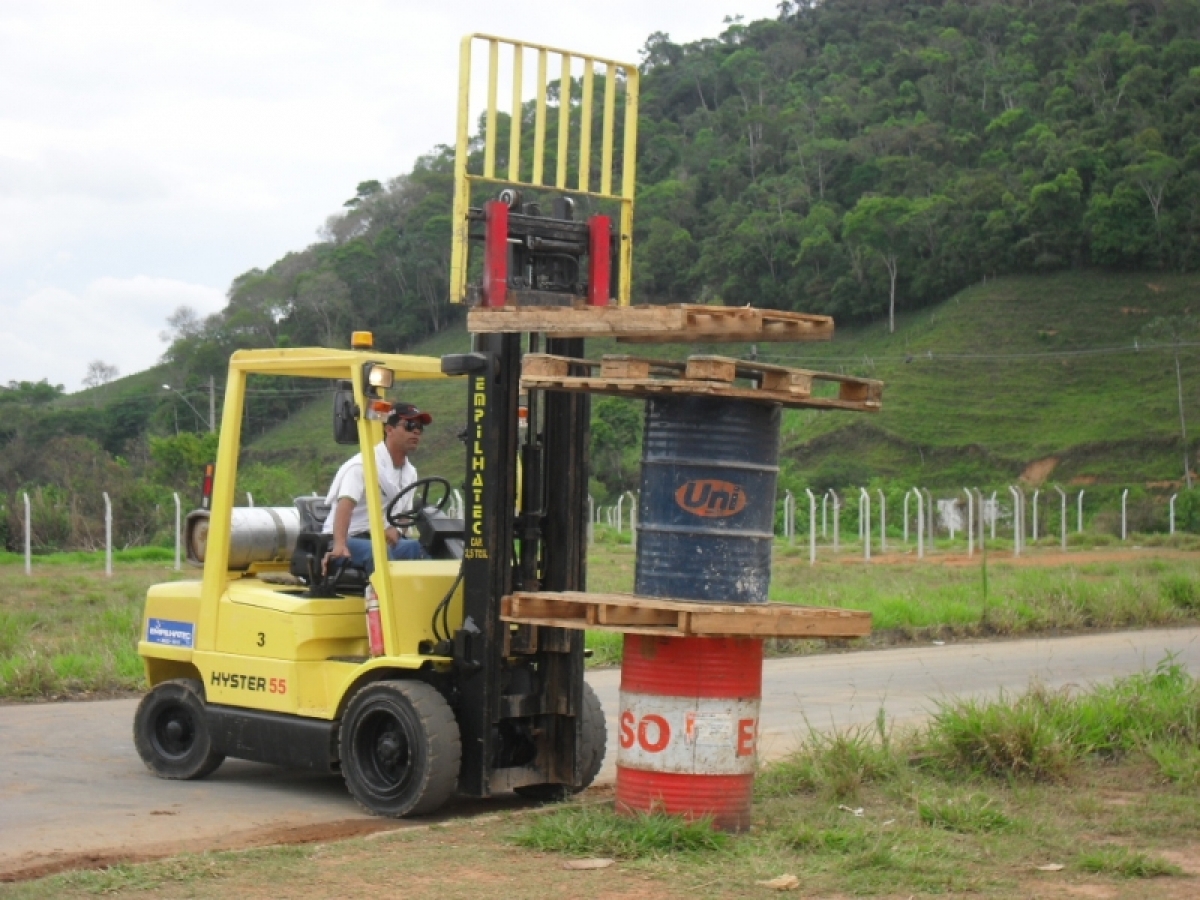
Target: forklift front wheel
400 748
171 734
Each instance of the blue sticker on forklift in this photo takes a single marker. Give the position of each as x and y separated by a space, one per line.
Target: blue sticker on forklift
172 634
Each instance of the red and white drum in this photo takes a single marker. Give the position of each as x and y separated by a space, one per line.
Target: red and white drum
687 735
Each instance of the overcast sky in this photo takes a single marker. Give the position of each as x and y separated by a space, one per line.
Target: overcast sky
151 151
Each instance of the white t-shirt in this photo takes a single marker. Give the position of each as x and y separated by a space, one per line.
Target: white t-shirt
348 482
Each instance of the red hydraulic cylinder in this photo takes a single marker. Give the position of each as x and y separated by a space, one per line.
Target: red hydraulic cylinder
600 260
495 253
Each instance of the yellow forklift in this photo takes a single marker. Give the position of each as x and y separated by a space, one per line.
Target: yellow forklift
407 682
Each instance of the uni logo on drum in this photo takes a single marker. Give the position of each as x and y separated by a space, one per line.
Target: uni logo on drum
711 498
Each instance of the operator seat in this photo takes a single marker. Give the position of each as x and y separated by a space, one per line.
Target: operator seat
312 545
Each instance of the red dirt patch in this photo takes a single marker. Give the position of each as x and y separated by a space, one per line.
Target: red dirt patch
1038 471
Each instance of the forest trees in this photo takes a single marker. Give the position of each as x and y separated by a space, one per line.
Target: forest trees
922 146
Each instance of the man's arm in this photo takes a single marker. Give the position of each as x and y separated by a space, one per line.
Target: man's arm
341 527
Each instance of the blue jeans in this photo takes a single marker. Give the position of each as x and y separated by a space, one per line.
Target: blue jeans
362 558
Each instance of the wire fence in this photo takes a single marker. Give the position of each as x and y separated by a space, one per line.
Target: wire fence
922 521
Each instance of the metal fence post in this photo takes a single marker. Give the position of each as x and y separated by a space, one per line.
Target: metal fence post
178 535
929 521
1173 496
591 530
882 521
249 499
1035 505
837 508
28 537
107 535
1079 527
970 523
1124 498
920 524
907 495
995 514
812 528
864 506
633 526
979 505
1063 498
1016 520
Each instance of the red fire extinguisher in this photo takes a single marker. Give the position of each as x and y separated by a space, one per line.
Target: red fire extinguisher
374 623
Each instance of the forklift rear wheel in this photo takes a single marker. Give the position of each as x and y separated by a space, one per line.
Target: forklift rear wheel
400 748
171 734
595 737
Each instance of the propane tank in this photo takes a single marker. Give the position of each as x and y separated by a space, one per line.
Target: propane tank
374 623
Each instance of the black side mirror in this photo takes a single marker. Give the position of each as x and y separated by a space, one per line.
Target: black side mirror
345 414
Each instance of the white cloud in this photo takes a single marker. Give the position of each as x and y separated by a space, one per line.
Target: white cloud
184 143
53 333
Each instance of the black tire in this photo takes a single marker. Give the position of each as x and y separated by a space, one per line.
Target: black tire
595 739
400 748
170 731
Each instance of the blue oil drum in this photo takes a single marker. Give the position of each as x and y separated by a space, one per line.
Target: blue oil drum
706 516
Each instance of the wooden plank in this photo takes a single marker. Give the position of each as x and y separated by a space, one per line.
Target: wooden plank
680 323
624 367
544 606
766 326
622 629
778 626
708 368
618 616
700 375
655 615
543 365
798 384
646 387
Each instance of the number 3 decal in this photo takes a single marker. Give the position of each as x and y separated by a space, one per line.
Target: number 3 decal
262 639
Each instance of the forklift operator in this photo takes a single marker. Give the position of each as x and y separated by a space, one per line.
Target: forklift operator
348 520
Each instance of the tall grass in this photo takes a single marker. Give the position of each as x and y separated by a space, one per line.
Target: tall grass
67 629
1045 734
973 803
583 830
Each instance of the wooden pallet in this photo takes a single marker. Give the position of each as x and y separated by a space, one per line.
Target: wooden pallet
680 618
678 323
713 376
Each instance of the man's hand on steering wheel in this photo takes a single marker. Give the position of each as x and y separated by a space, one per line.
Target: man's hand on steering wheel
419 493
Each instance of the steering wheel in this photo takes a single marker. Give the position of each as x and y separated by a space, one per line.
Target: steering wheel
419 489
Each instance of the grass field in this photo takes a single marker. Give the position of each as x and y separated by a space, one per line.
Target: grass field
1048 794
69 630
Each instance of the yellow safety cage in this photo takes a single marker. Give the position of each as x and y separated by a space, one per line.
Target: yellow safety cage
617 74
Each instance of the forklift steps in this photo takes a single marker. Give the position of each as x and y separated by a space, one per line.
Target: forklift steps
713 376
680 323
633 614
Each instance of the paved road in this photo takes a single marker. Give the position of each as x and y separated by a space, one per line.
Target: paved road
72 789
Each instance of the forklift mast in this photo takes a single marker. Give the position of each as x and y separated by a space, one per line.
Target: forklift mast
520 687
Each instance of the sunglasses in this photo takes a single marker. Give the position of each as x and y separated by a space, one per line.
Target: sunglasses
412 425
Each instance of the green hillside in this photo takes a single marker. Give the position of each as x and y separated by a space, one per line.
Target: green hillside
1013 372
1009 373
